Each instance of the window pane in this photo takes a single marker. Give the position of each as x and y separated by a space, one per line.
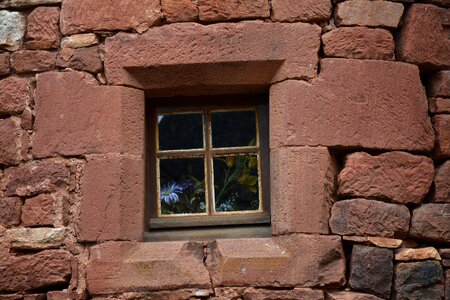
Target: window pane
180 131
182 186
233 128
236 183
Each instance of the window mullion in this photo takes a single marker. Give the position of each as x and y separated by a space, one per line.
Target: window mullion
208 161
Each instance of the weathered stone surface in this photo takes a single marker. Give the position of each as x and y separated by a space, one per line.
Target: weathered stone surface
441 124
441 190
375 241
439 105
113 199
74 115
43 28
358 42
13 142
444 253
423 39
12 29
45 269
85 15
164 61
11 297
408 254
15 95
24 3
369 217
447 284
58 295
5 68
390 113
83 59
397 177
179 10
26 119
368 13
306 11
350 296
221 10
419 280
10 211
80 40
371 270
125 266
301 200
39 211
294 260
431 222
36 177
294 294
439 84
35 238
27 61
35 297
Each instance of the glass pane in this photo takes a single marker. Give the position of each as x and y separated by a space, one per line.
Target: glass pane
182 186
236 183
180 131
233 128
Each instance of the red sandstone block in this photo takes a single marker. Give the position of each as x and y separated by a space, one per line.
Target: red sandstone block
43 28
15 95
14 142
127 267
27 61
39 211
179 10
441 125
423 39
442 183
302 186
344 295
83 59
297 294
294 260
369 218
112 206
221 10
431 222
439 105
342 110
35 297
10 208
4 63
397 177
86 15
358 42
306 10
74 115
439 84
58 295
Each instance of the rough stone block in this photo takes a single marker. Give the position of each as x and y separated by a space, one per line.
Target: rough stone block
12 29
26 3
359 42
408 254
14 142
371 270
423 39
368 13
397 177
439 105
164 61
112 206
74 115
441 124
350 296
302 186
26 119
441 189
58 295
431 222
5 68
83 59
305 11
126 267
30 61
10 208
45 269
35 297
80 40
294 260
294 294
15 95
35 238
179 10
43 28
86 15
342 110
419 280
368 217
221 10
439 84
39 211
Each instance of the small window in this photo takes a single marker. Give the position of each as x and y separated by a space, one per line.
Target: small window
208 163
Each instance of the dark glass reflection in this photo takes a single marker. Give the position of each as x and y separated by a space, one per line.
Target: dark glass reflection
233 128
236 183
182 186
180 131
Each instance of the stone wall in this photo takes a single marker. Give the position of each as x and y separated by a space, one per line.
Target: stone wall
359 136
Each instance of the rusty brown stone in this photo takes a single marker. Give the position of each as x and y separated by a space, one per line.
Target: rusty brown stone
294 294
83 59
306 11
423 39
179 10
439 105
408 254
397 177
30 61
301 200
58 295
74 115
14 142
431 222
444 252
80 40
5 68
390 113
358 42
441 190
441 124
26 119
344 295
439 84
39 211
10 208
221 10
369 217
15 95
374 241
85 15
43 28
35 297
11 297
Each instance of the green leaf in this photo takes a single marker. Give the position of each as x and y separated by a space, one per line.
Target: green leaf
248 180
